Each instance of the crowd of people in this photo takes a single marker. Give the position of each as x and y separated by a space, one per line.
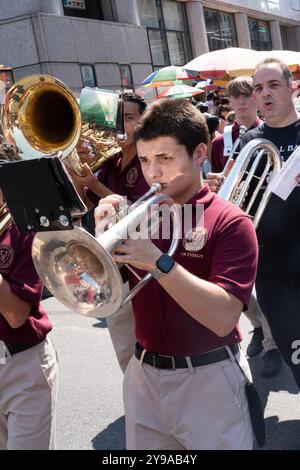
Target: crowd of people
185 375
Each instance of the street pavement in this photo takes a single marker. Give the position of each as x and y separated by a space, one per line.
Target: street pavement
90 411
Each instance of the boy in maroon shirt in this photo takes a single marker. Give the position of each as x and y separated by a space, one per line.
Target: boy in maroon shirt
183 388
28 365
121 175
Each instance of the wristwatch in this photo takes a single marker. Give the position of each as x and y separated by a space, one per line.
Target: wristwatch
164 264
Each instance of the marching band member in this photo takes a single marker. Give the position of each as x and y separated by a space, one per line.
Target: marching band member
183 388
242 101
278 278
28 364
121 175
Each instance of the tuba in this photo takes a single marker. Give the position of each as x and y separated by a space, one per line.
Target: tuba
42 117
242 178
79 270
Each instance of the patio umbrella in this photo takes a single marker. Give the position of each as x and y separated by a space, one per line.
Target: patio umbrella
167 76
181 91
290 58
206 85
234 61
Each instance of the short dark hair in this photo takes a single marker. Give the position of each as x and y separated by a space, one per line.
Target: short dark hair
223 108
134 98
230 117
212 123
287 74
203 108
173 118
240 86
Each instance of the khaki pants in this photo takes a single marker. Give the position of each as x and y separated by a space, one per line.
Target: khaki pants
197 408
121 328
258 320
28 390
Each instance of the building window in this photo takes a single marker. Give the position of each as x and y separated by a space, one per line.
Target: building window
126 76
259 34
167 29
83 9
88 75
220 29
288 38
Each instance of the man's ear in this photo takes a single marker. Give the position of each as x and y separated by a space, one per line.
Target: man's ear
294 87
200 153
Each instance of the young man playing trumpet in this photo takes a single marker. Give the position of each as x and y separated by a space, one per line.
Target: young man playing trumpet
183 388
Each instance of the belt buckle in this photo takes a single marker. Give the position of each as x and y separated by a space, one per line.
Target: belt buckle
169 357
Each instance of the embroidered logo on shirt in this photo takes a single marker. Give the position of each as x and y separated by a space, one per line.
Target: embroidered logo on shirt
132 176
195 239
6 256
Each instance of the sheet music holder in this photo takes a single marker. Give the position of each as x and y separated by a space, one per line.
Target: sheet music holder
40 194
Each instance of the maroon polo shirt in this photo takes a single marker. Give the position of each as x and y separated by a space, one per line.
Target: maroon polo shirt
218 160
128 182
224 252
17 268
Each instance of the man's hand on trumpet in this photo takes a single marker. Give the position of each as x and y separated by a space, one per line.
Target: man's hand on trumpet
140 253
107 212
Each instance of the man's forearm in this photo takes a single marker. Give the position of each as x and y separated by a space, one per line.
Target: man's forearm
206 302
100 189
12 308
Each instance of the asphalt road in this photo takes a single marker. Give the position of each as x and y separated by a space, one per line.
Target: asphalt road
90 409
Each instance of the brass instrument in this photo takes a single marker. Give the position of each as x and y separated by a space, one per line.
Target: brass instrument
103 143
79 270
236 187
5 219
42 117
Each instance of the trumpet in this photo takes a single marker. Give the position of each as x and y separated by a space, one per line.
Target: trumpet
79 269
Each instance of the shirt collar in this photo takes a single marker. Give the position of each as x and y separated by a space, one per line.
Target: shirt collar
203 196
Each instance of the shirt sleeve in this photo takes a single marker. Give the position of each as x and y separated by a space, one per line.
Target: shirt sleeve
235 257
217 149
24 280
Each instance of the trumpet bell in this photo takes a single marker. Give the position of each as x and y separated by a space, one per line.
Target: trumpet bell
79 272
41 116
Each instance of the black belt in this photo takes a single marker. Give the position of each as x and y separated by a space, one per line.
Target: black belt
161 361
17 348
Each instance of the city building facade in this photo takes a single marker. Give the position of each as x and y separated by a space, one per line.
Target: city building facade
117 43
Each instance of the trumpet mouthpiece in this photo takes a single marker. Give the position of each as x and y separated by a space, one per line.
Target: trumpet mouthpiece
122 137
156 187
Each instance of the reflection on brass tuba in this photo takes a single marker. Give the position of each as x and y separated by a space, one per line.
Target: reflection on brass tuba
242 178
42 117
79 270
103 144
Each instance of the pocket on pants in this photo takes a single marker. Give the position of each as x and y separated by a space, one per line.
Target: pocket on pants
235 385
48 361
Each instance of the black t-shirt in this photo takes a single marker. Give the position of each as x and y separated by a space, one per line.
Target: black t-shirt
279 228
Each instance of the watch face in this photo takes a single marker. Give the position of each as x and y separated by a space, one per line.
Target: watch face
165 263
